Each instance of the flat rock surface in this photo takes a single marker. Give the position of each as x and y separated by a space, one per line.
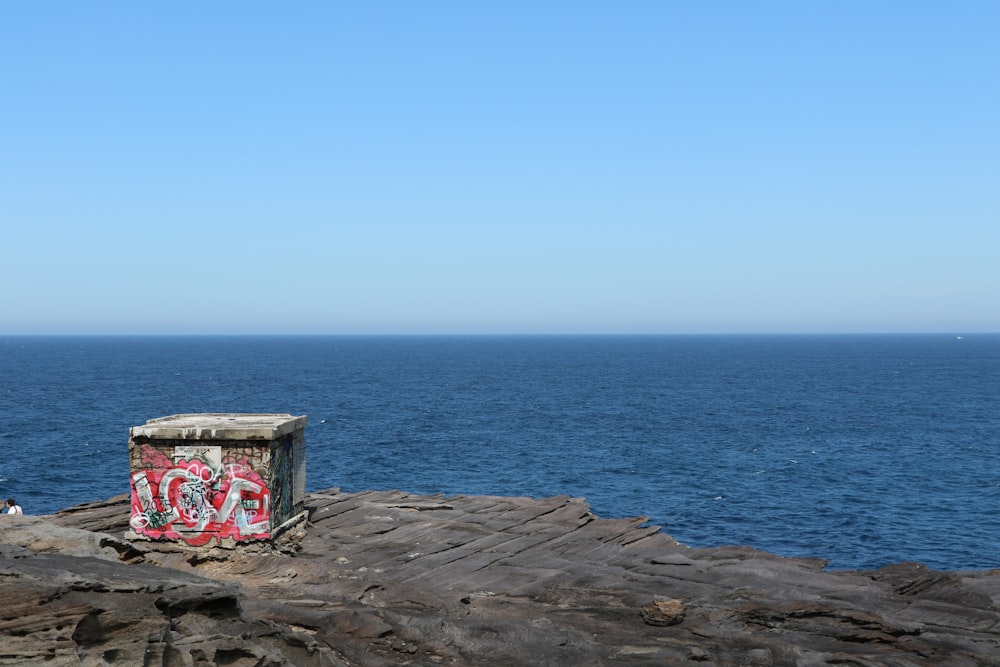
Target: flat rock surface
390 578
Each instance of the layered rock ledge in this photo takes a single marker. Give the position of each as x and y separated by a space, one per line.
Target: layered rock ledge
390 578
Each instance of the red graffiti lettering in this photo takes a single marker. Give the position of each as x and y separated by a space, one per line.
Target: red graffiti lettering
194 502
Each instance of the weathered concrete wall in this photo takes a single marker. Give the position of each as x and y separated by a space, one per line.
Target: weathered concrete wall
227 477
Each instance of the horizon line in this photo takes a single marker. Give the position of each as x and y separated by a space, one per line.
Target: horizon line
957 333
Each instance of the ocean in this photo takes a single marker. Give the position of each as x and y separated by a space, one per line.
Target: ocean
864 450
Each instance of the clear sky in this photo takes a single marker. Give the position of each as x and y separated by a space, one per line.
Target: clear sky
499 167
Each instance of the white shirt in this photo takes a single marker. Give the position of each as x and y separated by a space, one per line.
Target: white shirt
16 509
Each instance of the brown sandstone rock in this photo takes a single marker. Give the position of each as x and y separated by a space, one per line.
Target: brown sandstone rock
663 611
69 599
388 578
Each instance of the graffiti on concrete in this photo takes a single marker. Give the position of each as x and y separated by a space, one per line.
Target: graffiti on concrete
199 495
281 469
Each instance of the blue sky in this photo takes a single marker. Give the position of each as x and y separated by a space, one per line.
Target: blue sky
514 167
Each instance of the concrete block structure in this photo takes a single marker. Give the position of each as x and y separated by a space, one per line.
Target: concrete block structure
225 477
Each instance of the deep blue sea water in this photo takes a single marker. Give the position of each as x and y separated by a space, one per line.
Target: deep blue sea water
864 450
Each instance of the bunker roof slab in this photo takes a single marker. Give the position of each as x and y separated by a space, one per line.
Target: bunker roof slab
219 426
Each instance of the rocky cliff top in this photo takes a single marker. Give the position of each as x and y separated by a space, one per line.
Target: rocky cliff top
390 578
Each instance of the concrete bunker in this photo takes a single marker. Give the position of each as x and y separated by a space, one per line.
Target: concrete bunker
227 477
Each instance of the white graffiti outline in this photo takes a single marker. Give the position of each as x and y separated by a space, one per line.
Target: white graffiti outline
198 480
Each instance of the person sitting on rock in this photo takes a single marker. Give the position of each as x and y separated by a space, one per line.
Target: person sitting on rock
13 507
